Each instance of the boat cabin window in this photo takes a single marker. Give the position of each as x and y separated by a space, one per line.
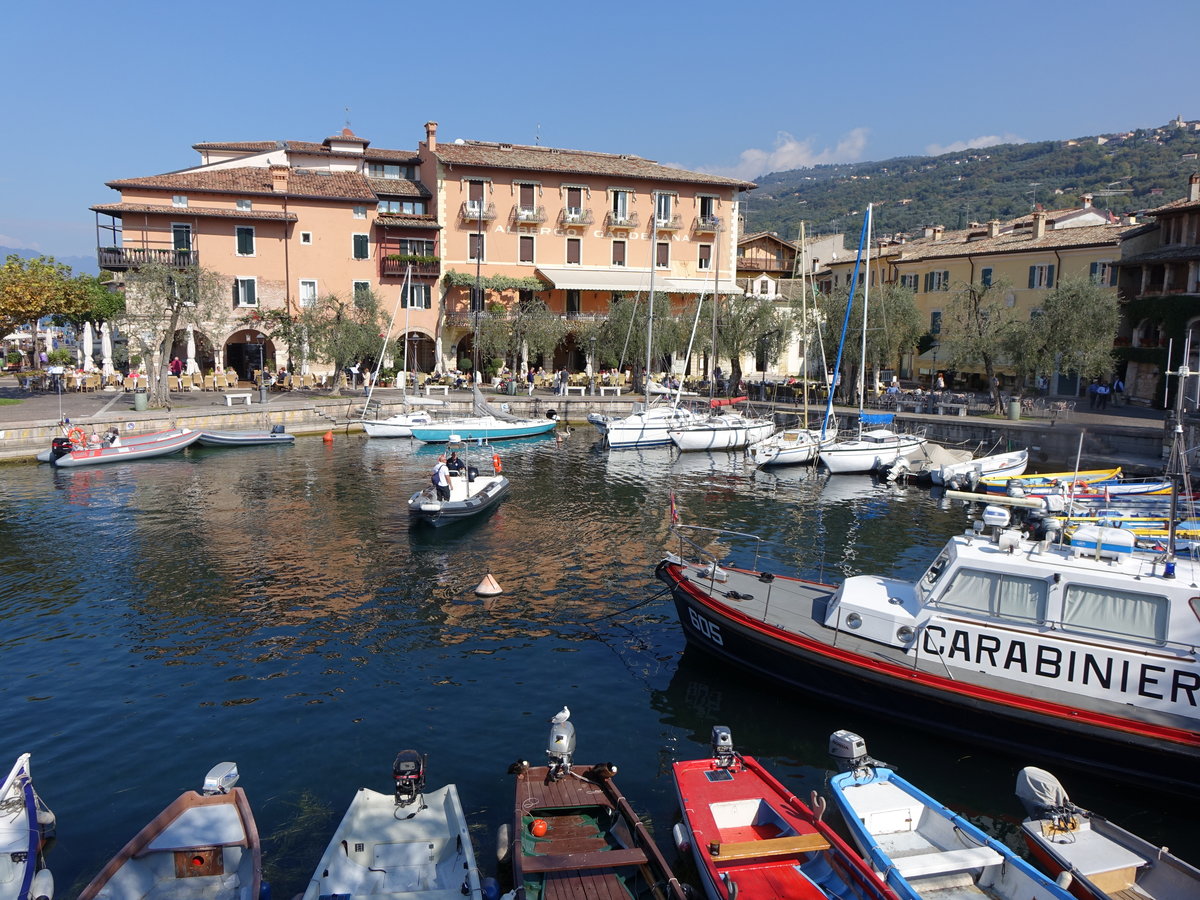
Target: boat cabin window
996 594
1107 611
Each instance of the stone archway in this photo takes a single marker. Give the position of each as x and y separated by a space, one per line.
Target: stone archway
247 350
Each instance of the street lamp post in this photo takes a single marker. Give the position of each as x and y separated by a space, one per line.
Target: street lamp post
262 368
592 363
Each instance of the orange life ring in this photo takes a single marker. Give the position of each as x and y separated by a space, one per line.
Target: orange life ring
496 467
76 436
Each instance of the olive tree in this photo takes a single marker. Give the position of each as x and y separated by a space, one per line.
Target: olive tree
1072 331
979 326
159 301
341 330
893 328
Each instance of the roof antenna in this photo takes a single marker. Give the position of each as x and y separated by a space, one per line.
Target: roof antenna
537 135
347 117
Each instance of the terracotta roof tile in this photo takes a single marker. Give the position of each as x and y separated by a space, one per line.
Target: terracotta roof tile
955 243
256 180
1181 205
204 211
573 162
248 146
399 187
407 221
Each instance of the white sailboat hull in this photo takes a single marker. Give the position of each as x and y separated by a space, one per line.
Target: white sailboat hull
788 448
872 450
719 434
648 428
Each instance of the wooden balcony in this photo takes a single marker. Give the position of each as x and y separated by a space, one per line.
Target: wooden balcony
476 212
570 217
395 265
763 264
627 222
133 257
528 215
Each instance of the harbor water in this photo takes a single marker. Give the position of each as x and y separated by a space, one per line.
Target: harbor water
273 606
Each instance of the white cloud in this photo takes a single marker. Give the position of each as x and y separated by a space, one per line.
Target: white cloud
975 143
791 153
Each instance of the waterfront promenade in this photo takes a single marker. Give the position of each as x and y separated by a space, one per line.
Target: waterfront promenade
1128 435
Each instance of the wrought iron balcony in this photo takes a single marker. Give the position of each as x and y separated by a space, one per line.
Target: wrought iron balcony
132 257
672 223
395 265
627 222
575 216
706 224
475 212
529 215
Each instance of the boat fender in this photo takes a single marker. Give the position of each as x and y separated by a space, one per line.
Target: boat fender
679 833
42 886
490 888
503 846
264 890
1064 880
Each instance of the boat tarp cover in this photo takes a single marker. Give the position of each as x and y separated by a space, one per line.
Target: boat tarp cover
1038 790
877 418
483 408
936 455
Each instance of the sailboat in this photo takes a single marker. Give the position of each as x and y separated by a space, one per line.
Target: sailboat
647 426
795 446
878 446
401 424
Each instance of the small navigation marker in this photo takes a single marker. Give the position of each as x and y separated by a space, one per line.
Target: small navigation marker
488 587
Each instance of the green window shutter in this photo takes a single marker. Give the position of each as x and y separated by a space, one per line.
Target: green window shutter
1049 276
926 282
1093 270
360 246
245 241
946 280
1112 275
1032 277
985 277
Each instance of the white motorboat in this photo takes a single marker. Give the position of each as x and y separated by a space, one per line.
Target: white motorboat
1096 859
76 449
871 450
645 427
471 493
923 849
397 426
965 475
204 845
25 825
729 431
411 844
790 447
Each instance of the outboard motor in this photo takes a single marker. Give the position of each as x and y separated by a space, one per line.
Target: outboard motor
560 747
409 773
1013 488
220 779
277 429
1044 798
849 752
552 414
722 744
59 446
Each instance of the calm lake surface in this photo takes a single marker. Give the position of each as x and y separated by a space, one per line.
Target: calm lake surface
273 607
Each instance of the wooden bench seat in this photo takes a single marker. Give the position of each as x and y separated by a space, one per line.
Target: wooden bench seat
780 846
598 859
947 861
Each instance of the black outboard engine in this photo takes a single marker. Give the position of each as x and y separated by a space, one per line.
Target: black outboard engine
59 446
722 744
552 414
277 429
409 772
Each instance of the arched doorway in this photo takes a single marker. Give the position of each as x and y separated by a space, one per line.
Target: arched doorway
248 350
421 352
197 355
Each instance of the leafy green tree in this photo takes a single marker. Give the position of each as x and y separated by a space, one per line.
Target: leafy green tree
746 326
33 288
159 301
278 324
341 330
978 325
622 335
1073 331
893 329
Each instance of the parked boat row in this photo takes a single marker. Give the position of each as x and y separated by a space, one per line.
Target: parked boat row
77 448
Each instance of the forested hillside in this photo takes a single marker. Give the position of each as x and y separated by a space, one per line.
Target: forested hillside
1000 182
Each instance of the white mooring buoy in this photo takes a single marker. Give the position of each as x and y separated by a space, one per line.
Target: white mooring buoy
488 587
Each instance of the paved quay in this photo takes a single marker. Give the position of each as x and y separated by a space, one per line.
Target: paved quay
27 425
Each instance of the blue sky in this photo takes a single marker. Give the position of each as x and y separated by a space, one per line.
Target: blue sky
105 91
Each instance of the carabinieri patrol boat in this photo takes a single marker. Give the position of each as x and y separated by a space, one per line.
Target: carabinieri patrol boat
1083 649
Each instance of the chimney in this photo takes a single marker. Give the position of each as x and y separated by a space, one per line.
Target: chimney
431 136
1087 201
1194 187
1039 224
928 232
938 231
279 178
994 228
1131 219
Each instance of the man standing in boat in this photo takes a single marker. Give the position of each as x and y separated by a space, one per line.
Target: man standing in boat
441 478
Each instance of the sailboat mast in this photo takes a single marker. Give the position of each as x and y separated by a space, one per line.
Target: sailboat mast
862 362
650 305
837 365
383 350
802 264
712 381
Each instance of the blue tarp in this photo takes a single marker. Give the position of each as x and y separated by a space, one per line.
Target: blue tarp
877 418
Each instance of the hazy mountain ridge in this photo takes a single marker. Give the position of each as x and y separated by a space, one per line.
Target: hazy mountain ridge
80 265
1001 182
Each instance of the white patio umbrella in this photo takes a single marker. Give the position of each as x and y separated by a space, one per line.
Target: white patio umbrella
192 367
106 363
87 363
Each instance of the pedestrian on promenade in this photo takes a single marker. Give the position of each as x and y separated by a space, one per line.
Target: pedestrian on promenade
1102 392
1118 391
1093 394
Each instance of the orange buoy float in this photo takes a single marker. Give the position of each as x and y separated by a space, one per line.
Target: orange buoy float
328 438
496 466
538 827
